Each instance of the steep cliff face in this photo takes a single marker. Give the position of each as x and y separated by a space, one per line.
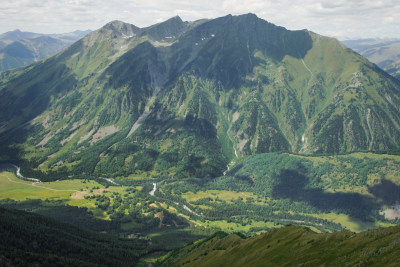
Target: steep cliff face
185 99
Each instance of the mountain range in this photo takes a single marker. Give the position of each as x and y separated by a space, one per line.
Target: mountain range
383 52
186 99
168 133
19 49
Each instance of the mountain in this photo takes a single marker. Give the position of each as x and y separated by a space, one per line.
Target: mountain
384 53
17 35
292 246
28 239
19 49
184 99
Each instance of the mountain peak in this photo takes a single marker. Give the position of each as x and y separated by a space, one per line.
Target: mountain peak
176 18
119 29
116 25
282 94
17 34
168 30
249 15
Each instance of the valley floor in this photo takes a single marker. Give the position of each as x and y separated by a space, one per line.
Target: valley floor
326 194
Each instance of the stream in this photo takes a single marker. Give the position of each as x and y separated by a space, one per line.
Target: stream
18 173
153 190
176 203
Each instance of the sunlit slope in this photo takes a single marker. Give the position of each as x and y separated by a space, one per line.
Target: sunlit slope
181 99
293 246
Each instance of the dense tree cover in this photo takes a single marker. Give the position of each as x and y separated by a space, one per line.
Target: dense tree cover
243 210
57 210
31 239
290 188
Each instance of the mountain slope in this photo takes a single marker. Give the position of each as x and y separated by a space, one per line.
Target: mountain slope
183 99
293 246
384 53
19 49
29 239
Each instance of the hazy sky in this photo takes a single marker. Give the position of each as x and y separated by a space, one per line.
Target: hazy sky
339 18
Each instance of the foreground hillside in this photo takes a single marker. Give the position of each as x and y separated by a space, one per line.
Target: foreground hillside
184 99
293 246
28 239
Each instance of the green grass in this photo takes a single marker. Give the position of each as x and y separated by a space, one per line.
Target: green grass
73 193
13 188
293 246
19 190
260 167
223 195
231 227
352 224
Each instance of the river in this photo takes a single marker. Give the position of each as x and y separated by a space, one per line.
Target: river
18 173
176 203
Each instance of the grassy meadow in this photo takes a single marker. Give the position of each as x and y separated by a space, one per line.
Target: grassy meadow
325 193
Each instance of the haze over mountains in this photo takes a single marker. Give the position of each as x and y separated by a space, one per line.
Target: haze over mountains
384 53
19 49
186 98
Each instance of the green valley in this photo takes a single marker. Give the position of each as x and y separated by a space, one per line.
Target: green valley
125 211
166 134
327 193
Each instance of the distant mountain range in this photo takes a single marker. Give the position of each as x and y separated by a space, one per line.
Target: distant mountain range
184 99
384 53
19 49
